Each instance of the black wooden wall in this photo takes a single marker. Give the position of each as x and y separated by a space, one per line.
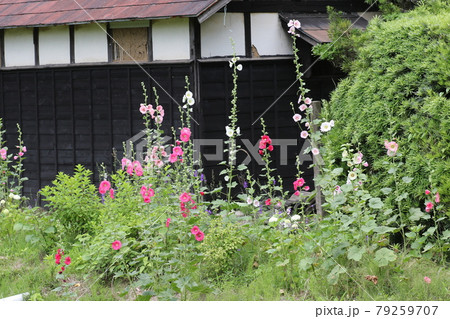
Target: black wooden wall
77 115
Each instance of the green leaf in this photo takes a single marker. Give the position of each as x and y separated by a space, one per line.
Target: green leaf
407 179
384 256
18 227
375 203
369 226
428 247
241 167
429 232
305 263
283 263
337 171
333 276
446 234
50 230
384 229
356 253
386 190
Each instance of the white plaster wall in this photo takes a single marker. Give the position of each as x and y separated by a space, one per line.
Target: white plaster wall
170 39
217 31
54 45
91 43
268 35
19 47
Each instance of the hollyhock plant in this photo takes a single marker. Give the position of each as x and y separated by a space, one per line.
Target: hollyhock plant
299 183
104 187
116 245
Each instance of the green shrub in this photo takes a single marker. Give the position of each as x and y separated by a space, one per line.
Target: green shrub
398 90
73 201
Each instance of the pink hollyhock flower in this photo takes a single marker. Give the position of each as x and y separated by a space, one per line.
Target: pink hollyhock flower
185 134
67 261
267 139
183 207
262 144
143 109
291 30
297 24
195 230
143 190
427 192
437 198
267 202
299 99
177 150
337 190
173 158
428 206
365 164
315 151
104 187
168 222
147 199
185 197
125 162
304 134
297 117
159 163
306 188
63 268
130 169
159 108
427 279
297 193
302 107
184 215
16 157
3 153
159 119
111 193
116 245
24 149
60 251
270 148
199 236
307 125
291 24
20 153
308 100
260 152
392 148
299 183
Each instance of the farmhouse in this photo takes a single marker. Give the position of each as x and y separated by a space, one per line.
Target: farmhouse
71 73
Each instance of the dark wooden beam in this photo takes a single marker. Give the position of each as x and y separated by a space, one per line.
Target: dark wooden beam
248 35
2 48
150 42
36 45
110 43
72 43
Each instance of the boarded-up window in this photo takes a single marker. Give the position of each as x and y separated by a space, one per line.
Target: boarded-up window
130 44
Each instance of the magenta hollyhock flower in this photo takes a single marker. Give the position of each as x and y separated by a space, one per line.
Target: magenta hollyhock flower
427 192
68 261
168 222
195 230
125 163
199 236
437 197
428 206
262 144
306 188
57 259
111 193
143 190
267 139
270 148
297 193
63 268
130 169
427 279
116 245
299 183
185 134
104 187
185 197
21 153
267 202
184 215
177 150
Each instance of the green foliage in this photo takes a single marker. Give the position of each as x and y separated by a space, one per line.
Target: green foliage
73 201
220 246
398 90
342 50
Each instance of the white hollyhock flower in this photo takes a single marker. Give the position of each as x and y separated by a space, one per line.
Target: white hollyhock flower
273 219
297 117
352 176
249 200
229 131
325 127
256 203
295 217
191 101
239 67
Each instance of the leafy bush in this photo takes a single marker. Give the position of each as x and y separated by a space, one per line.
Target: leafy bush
74 201
398 90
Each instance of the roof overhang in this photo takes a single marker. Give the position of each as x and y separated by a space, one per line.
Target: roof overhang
314 27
